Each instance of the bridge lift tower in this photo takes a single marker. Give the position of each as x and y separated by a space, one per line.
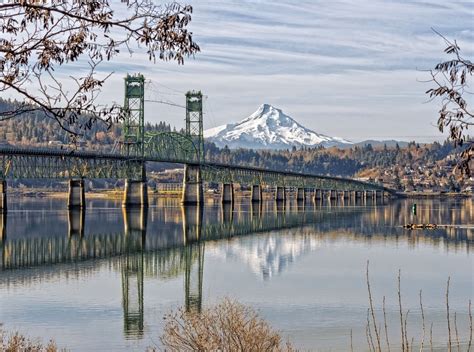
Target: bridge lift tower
194 125
134 119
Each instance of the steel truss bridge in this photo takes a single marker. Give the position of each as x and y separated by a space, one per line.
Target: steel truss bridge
38 163
129 156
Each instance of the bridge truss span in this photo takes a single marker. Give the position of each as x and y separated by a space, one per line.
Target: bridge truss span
222 173
27 163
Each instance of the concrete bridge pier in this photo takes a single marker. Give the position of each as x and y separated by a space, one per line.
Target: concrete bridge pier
256 194
227 193
135 193
300 194
346 194
192 185
307 194
366 195
3 196
280 194
332 194
317 194
76 197
76 222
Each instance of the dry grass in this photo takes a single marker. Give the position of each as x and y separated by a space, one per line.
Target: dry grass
227 326
15 342
408 345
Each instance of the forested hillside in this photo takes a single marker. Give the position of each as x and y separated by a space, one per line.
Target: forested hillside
35 129
414 167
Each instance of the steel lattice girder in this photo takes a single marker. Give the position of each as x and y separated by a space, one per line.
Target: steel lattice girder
255 176
20 164
50 163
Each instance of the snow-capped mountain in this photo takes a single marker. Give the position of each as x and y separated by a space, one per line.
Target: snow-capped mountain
270 254
269 128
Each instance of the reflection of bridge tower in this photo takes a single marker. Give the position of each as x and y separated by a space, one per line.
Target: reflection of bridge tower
132 294
193 257
135 222
193 276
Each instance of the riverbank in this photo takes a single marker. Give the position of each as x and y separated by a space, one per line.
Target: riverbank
433 195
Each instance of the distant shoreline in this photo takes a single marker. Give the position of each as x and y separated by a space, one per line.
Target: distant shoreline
434 195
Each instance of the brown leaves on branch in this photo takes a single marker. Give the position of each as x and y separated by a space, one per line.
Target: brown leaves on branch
451 80
38 37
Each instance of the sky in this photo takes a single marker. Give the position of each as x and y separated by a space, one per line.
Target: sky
352 69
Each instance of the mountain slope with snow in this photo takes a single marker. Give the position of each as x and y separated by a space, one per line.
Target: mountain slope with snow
269 128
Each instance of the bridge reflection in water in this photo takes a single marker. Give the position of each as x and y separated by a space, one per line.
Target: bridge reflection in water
169 242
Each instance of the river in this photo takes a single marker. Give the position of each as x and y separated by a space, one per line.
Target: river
102 280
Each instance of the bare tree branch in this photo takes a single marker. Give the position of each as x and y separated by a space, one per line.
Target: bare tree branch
38 37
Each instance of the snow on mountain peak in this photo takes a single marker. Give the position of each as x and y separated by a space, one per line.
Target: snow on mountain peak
268 128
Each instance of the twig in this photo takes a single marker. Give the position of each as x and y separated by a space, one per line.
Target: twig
401 312
431 338
406 332
470 328
385 324
456 331
369 331
447 315
372 310
423 322
352 346
367 336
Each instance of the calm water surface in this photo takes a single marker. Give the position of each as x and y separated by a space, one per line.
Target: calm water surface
102 280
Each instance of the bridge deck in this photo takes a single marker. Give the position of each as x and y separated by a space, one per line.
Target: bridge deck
18 163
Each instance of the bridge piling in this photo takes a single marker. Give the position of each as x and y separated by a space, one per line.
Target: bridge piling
76 196
192 185
300 194
227 193
307 194
256 193
317 194
135 193
332 194
280 195
3 196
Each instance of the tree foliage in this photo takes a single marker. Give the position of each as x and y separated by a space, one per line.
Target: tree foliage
38 37
451 80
